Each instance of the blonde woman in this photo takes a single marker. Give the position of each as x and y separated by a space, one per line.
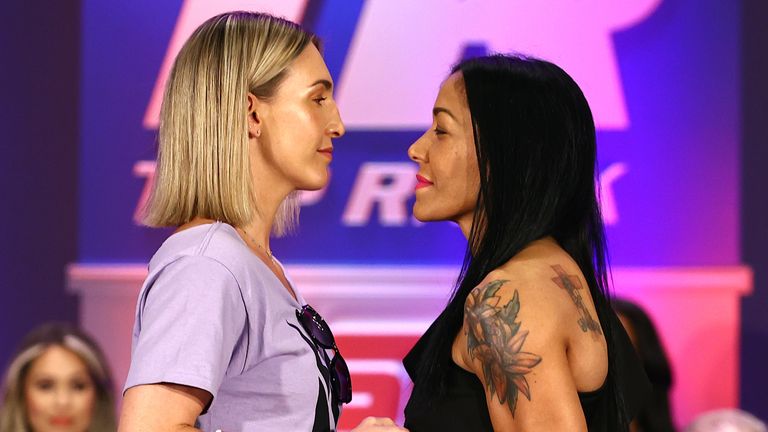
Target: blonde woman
222 339
57 381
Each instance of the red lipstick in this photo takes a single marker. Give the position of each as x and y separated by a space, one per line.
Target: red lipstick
61 421
422 182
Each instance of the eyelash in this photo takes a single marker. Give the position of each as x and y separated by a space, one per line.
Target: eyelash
44 385
79 386
47 385
439 131
320 100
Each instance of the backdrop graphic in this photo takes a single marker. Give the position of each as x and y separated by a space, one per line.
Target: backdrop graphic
662 78
663 85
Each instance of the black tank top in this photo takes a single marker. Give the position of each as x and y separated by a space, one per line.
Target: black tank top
464 408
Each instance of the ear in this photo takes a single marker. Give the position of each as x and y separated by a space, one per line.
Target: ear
254 119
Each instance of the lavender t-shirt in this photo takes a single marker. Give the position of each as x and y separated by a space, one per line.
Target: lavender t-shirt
211 315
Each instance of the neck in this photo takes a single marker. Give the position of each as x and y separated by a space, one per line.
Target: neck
260 227
270 189
465 224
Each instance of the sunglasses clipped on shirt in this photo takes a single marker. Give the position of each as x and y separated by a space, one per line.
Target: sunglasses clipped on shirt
318 330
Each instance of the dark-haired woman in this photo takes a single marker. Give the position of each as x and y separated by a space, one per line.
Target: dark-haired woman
656 416
528 341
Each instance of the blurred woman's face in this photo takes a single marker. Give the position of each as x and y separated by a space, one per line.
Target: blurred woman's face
448 179
59 393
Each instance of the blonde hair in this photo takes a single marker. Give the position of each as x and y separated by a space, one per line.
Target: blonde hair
203 169
13 412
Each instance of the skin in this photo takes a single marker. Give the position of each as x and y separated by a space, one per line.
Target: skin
290 145
446 157
290 138
60 395
555 354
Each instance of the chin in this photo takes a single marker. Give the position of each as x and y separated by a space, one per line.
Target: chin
424 215
315 183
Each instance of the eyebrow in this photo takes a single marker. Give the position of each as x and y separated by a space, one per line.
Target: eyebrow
438 110
324 82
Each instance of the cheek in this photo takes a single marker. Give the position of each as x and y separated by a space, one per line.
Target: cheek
468 161
83 407
473 177
35 401
298 126
85 403
462 175
37 407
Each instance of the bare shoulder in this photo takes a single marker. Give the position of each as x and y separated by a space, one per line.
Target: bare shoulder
519 323
555 291
537 283
496 341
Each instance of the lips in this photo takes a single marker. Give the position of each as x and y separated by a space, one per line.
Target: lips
62 421
328 152
422 182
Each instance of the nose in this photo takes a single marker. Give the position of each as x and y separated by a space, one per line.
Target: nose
63 397
417 150
336 126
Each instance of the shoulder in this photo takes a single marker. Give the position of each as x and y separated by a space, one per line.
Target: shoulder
550 297
538 291
513 308
189 282
214 250
203 262
517 336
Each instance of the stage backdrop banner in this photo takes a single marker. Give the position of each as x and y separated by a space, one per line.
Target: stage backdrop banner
662 78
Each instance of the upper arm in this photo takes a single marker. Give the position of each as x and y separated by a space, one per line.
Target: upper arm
516 348
162 407
188 328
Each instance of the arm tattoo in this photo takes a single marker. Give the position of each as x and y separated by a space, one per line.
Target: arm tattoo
572 284
494 338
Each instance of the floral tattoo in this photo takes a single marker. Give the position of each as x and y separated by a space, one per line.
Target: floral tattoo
494 338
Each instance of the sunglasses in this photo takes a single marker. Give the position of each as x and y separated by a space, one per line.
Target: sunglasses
318 330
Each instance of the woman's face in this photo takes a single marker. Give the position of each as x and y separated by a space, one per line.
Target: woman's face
297 125
59 392
448 178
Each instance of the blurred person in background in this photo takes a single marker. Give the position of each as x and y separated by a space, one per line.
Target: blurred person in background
727 420
58 381
656 416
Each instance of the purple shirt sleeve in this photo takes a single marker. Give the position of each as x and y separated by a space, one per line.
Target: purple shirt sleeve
188 322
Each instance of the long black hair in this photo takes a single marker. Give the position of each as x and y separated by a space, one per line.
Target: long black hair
656 415
536 152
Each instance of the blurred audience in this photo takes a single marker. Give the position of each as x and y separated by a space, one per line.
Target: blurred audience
656 416
727 420
57 381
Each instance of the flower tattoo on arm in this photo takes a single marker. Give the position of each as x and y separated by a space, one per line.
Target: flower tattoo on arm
494 338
